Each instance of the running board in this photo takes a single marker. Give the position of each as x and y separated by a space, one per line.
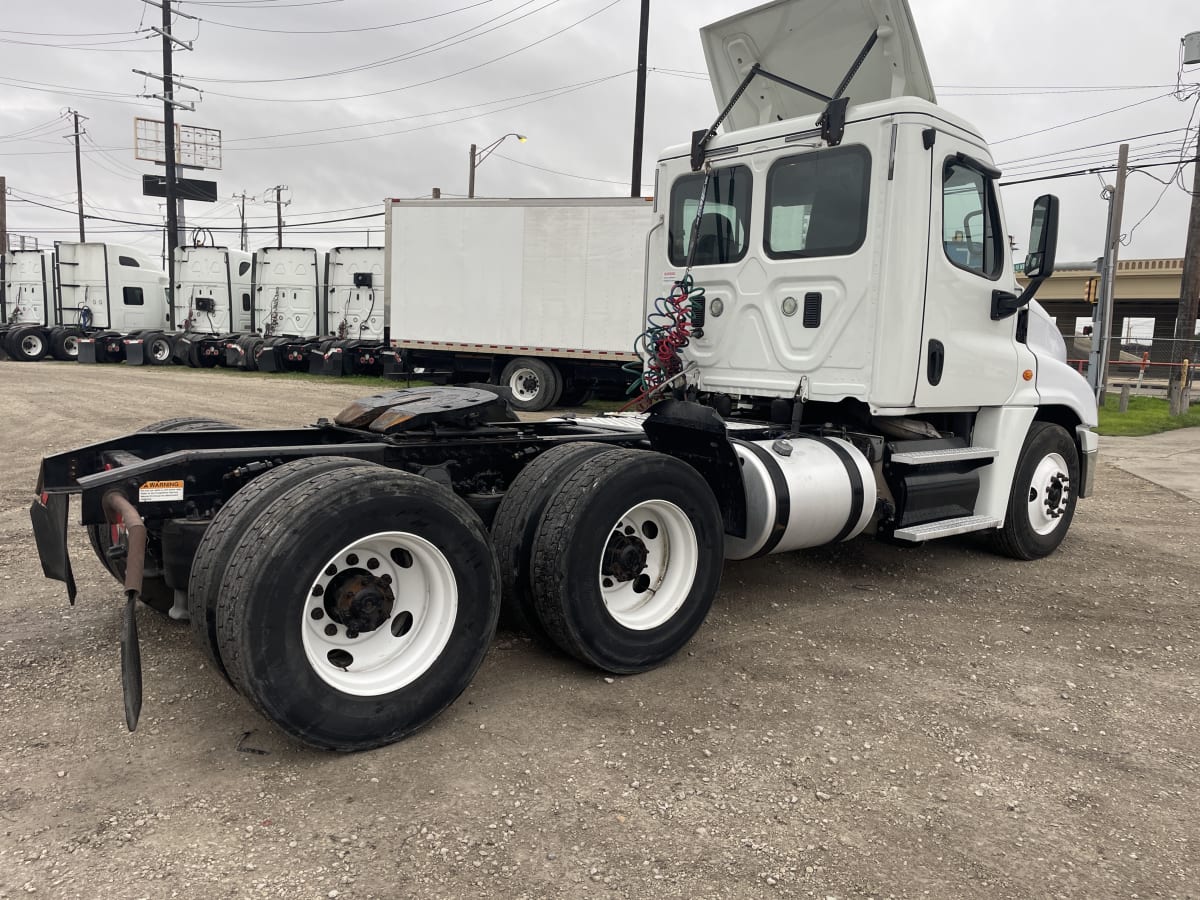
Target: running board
950 455
945 528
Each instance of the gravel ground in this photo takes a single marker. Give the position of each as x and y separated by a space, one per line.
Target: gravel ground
860 722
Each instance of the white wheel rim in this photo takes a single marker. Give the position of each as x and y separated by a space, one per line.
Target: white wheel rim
525 384
71 345
409 637
639 592
1049 494
31 345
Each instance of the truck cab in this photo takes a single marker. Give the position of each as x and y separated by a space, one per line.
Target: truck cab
855 271
288 313
356 313
213 302
25 307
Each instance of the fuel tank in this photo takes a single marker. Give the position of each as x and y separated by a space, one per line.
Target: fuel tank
801 492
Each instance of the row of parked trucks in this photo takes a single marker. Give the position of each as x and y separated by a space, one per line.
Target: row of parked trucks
548 305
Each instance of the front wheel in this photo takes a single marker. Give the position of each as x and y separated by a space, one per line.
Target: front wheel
627 559
1041 503
534 384
355 625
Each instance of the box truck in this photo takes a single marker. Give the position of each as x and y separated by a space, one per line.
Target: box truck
543 297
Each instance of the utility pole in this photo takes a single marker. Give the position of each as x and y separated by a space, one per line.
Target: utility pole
3 218
1189 300
1102 324
471 179
639 106
279 189
78 174
242 215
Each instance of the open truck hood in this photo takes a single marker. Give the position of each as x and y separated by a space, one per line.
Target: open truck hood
813 43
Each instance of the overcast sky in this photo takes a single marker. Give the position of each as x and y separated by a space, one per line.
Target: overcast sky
559 71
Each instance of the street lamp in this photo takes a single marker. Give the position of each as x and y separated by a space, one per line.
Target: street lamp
478 156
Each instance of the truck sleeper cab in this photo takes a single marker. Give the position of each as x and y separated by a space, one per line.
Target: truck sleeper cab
213 305
287 313
25 305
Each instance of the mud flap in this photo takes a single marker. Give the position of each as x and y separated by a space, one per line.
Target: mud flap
87 350
49 516
135 352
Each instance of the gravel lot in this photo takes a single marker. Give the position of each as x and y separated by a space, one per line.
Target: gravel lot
850 723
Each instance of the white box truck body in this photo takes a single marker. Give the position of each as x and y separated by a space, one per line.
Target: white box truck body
542 296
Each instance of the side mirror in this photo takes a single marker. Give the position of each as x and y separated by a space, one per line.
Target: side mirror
1043 238
1039 264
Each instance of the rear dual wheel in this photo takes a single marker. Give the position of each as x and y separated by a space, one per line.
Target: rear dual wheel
356 624
627 559
64 344
533 384
27 343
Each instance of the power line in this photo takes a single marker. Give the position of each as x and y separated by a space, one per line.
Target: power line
429 81
348 30
1107 112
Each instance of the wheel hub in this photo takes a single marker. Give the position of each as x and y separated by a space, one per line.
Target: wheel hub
625 556
1056 495
358 600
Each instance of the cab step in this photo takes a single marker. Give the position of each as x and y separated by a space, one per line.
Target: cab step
945 528
948 455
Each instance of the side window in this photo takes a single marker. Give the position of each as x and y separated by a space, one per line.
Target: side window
724 228
133 296
245 303
817 203
243 268
971 220
128 261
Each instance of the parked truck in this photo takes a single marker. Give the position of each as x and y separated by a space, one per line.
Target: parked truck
541 296
287 313
357 336
865 366
106 294
213 306
26 305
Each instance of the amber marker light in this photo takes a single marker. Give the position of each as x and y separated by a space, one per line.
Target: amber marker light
1027 374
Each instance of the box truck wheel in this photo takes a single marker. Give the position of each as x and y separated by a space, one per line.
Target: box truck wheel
534 383
576 395
226 530
28 343
355 624
627 559
1041 504
64 344
155 592
516 522
158 348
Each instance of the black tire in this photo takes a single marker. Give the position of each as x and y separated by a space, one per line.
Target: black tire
158 348
516 523
577 544
156 593
533 383
28 343
254 346
268 601
226 530
576 395
64 344
1041 503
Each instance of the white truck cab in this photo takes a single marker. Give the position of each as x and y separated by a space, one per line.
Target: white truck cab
213 302
287 309
850 243
356 313
25 305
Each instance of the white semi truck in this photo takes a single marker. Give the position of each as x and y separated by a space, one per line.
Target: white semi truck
213 305
356 319
26 304
287 312
543 297
865 367
107 294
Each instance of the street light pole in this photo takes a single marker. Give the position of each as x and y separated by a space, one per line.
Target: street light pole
478 156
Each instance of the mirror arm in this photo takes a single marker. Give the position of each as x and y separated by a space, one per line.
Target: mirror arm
1006 303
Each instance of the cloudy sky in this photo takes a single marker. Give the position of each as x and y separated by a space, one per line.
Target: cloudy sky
350 101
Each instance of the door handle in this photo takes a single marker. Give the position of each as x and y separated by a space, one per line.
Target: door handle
937 361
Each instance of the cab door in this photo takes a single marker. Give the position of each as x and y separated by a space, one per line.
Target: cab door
967 359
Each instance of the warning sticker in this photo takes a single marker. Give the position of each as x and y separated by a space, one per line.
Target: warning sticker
160 491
